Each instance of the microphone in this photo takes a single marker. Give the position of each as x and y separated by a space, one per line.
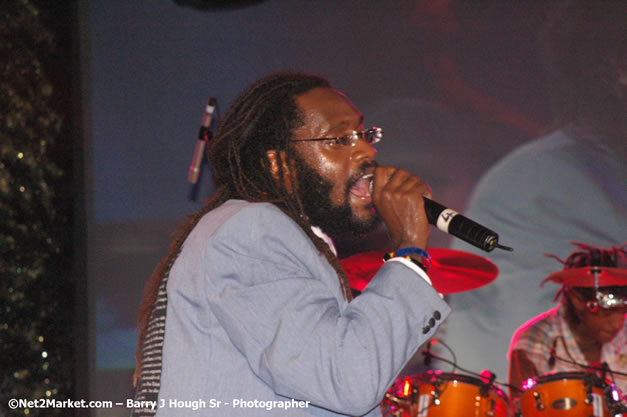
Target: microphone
204 134
552 352
451 222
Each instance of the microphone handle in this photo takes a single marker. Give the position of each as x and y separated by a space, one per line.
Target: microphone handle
451 222
204 135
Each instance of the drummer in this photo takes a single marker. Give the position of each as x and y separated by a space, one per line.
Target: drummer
587 329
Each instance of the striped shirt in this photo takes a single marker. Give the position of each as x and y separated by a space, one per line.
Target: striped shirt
537 336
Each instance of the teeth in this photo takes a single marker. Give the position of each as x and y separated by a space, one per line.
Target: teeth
363 186
369 177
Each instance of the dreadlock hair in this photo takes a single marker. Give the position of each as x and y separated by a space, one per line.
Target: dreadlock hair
588 255
261 118
583 46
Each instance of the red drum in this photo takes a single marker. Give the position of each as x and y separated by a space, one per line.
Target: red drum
439 394
572 394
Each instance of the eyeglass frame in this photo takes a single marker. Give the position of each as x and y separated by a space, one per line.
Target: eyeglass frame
602 301
375 136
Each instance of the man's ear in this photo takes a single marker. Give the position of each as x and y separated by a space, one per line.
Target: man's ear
273 159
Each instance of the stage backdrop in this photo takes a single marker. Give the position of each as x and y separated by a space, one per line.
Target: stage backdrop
454 84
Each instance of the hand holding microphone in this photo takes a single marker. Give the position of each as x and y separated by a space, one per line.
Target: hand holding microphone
400 197
397 197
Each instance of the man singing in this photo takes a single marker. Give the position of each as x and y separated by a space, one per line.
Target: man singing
251 310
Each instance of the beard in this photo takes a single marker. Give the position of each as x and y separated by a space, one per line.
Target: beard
315 194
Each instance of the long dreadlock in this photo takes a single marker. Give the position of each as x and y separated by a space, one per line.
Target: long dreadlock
262 118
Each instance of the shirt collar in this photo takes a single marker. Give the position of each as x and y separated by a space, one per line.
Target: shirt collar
318 232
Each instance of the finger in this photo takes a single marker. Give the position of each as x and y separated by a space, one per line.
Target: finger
414 184
411 184
405 183
427 192
398 178
382 175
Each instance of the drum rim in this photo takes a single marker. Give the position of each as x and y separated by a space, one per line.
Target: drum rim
429 376
446 376
557 376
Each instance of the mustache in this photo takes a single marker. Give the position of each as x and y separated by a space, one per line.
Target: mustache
361 171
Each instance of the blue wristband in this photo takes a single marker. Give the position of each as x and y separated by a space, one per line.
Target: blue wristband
411 250
405 252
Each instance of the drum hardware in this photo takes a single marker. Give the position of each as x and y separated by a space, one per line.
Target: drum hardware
611 394
492 407
588 399
589 381
435 395
397 403
565 403
436 392
613 401
393 406
406 400
618 408
538 397
486 386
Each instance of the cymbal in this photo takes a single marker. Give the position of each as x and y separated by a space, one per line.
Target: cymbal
584 277
451 270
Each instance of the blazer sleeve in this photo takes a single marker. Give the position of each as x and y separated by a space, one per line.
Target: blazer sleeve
280 302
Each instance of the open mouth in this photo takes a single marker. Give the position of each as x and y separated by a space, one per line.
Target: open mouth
362 188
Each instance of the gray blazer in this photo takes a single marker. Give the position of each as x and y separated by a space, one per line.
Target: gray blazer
256 323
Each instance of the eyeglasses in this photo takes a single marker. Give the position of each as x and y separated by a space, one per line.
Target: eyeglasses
603 301
372 136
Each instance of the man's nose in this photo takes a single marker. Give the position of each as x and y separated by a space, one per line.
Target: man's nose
363 151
